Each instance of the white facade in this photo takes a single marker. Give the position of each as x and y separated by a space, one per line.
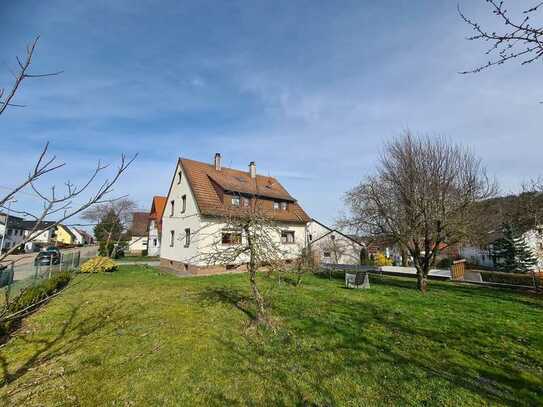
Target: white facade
13 236
332 246
153 242
476 255
79 239
205 232
137 245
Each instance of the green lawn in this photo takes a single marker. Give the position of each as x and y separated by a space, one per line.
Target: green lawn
138 337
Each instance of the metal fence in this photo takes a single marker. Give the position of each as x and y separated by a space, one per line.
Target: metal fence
22 271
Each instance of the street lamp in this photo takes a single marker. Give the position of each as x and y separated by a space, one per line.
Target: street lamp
6 225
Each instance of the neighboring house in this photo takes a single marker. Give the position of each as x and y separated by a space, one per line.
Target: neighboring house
44 234
331 246
79 240
155 225
87 237
137 245
482 255
65 236
13 234
201 195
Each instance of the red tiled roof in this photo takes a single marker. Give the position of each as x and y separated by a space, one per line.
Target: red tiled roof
157 208
203 176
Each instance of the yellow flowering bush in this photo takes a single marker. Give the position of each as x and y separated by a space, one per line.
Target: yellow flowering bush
98 264
381 260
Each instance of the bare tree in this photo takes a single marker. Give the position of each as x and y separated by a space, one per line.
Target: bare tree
421 196
520 39
247 237
74 199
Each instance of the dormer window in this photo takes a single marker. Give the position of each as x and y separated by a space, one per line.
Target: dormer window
235 201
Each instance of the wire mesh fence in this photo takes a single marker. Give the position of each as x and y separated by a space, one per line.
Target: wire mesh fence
27 270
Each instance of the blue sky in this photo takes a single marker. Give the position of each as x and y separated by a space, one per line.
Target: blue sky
307 89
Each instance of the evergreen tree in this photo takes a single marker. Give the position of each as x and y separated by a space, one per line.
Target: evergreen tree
511 252
109 227
525 258
504 251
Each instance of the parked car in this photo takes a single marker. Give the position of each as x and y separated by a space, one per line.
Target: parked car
47 257
52 249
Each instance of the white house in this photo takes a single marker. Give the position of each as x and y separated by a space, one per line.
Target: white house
482 256
199 198
44 234
12 234
155 225
139 233
332 246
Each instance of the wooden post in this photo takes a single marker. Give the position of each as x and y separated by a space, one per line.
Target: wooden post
457 269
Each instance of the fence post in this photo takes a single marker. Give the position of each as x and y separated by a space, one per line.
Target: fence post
73 260
50 266
61 261
11 279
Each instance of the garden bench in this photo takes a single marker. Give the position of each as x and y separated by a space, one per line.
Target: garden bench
358 280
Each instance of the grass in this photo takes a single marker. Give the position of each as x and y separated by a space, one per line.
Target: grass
139 337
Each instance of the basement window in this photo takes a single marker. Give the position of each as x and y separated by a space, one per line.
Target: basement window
231 238
287 236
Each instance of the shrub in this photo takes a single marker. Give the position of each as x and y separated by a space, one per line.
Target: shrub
381 260
98 265
43 289
106 251
511 278
444 263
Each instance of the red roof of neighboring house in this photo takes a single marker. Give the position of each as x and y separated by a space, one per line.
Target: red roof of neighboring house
157 208
208 184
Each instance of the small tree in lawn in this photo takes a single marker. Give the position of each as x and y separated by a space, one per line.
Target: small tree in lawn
248 237
421 196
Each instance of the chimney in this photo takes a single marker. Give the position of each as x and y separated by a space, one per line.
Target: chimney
252 169
218 161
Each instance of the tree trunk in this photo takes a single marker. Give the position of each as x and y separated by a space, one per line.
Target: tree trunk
260 317
422 281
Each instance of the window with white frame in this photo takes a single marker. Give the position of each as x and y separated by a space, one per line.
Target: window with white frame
245 202
187 237
287 236
275 206
235 200
284 206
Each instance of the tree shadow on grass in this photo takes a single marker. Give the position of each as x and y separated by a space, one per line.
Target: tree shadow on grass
351 344
228 296
68 339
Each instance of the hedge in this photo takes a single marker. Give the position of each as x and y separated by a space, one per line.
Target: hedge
511 278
